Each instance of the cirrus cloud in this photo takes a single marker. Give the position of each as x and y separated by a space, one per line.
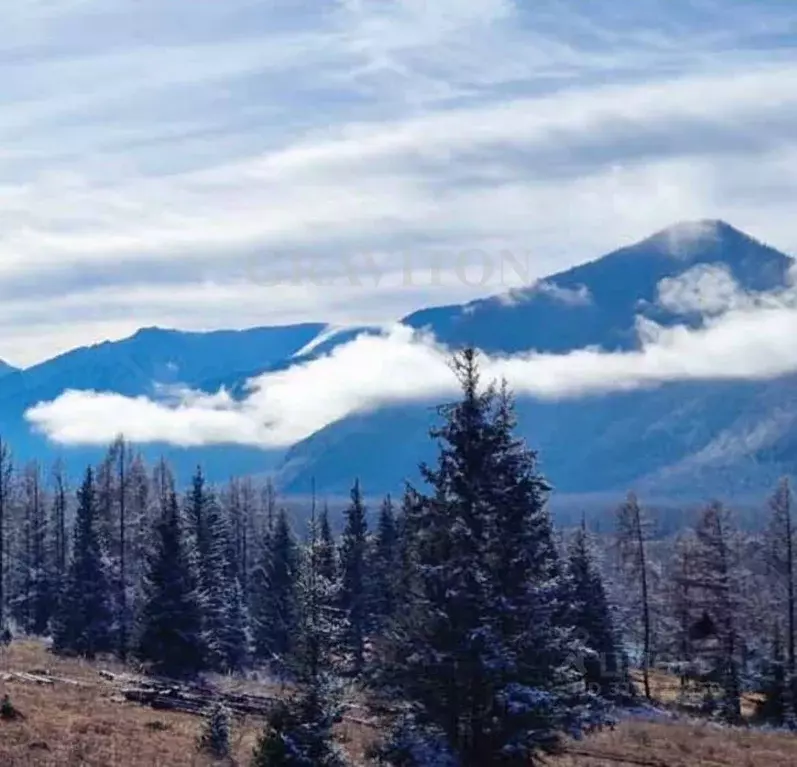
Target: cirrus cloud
149 148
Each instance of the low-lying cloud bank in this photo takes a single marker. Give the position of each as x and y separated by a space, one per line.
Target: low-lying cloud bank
754 338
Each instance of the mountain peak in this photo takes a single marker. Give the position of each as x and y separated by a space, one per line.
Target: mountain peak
683 239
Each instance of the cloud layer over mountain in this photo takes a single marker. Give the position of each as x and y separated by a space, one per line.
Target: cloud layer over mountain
180 164
743 336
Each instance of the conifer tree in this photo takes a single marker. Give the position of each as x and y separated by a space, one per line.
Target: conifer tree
31 574
248 534
407 529
774 706
59 527
170 623
383 566
124 458
144 513
215 736
39 573
482 659
274 609
298 732
318 617
235 636
603 665
327 553
84 625
353 599
224 618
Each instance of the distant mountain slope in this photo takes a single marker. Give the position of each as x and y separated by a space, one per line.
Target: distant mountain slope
6 369
596 303
690 438
133 367
678 439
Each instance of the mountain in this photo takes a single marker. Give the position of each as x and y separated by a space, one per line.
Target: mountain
689 439
596 304
6 369
136 366
682 439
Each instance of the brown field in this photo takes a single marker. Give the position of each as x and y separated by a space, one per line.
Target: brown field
650 744
82 720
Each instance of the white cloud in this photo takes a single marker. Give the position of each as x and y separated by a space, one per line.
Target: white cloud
754 341
705 289
579 296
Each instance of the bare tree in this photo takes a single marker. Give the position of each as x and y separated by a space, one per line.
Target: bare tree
60 495
717 580
632 541
5 492
781 564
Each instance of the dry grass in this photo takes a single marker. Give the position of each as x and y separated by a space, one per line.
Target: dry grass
91 725
683 745
666 689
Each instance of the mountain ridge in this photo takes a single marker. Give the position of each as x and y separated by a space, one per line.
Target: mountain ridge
601 442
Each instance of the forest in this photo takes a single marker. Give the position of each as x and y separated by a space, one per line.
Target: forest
472 627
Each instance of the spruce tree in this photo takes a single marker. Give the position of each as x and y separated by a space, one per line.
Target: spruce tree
60 547
327 553
215 736
353 600
483 658
84 625
274 608
318 618
235 635
407 529
533 662
298 732
384 563
32 571
170 623
225 630
591 616
774 706
144 511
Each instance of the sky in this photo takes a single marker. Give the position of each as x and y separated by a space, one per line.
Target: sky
202 164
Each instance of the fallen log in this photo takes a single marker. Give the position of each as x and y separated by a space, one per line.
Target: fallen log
23 676
196 700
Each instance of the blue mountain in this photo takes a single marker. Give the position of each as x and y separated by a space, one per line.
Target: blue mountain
136 366
688 439
677 439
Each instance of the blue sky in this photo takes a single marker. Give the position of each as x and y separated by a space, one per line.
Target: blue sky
180 163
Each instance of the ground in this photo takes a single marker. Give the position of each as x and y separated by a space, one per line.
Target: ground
83 721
